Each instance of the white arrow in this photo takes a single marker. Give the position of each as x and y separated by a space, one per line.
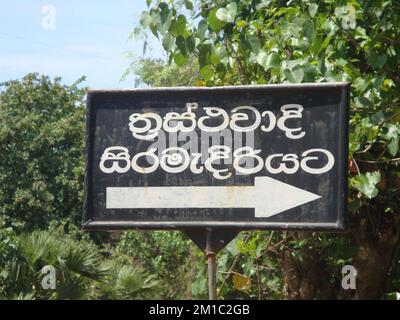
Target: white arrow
268 197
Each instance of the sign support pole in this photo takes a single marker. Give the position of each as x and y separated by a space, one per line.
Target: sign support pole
211 241
212 268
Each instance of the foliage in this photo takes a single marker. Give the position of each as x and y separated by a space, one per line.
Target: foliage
127 281
80 269
8 246
41 163
167 255
279 41
300 41
156 73
247 269
41 187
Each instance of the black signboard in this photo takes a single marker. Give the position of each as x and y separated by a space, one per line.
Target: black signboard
243 157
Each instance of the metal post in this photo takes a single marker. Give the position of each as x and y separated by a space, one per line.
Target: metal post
211 241
212 269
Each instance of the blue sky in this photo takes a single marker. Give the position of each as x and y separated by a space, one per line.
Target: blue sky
90 38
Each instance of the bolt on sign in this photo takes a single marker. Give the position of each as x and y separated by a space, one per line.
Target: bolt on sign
243 157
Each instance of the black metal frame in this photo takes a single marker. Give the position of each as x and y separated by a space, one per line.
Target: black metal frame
89 223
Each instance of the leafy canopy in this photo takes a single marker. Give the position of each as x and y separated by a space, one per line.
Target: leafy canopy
279 41
42 143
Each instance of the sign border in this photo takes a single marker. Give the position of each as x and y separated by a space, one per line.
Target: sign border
88 223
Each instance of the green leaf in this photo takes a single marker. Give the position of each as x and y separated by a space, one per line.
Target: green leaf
207 72
309 30
220 52
221 70
267 60
394 146
188 4
393 131
377 61
294 75
241 23
227 14
164 11
312 9
214 23
363 102
145 19
180 59
190 44
202 29
178 26
167 42
232 10
298 73
186 46
161 18
47 196
262 58
263 4
393 135
153 29
222 14
310 72
232 249
204 55
251 42
354 205
181 44
366 183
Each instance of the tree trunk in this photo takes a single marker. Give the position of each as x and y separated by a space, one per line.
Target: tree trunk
377 240
308 279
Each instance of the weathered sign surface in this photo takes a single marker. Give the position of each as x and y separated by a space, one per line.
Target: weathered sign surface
243 157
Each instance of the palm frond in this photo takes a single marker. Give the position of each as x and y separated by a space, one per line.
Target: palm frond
129 282
86 262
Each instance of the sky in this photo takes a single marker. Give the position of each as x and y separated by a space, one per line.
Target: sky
70 39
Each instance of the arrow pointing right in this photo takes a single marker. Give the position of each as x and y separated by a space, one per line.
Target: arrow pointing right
268 197
274 196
